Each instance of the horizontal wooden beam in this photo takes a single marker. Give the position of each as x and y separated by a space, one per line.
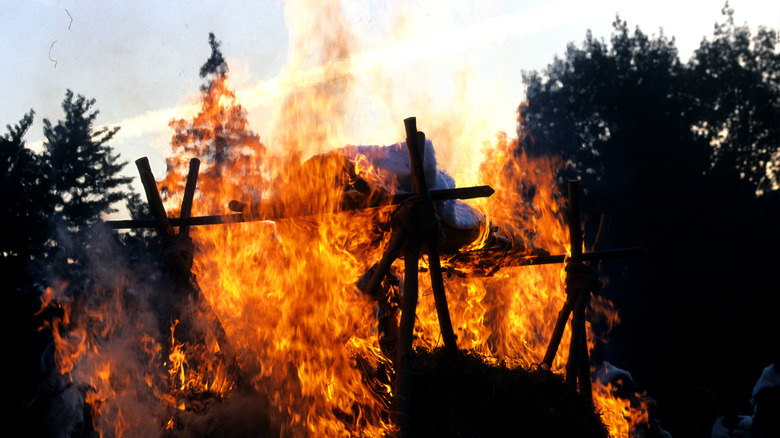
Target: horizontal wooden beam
275 212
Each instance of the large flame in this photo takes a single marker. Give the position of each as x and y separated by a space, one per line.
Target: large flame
285 291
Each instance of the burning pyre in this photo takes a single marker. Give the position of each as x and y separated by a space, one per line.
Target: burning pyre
298 350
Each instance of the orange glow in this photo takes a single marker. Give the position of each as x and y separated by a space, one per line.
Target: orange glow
618 414
285 290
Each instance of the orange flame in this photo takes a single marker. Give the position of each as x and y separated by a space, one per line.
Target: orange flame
285 291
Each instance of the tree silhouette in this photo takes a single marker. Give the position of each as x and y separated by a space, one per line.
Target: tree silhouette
24 199
735 79
216 64
81 258
84 168
218 135
619 113
673 152
26 206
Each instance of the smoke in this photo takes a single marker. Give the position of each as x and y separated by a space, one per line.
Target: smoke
107 349
114 365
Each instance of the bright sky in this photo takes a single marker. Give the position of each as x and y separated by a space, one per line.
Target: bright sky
140 59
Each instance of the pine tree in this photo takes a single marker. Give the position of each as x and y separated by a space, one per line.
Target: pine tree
84 168
24 196
219 135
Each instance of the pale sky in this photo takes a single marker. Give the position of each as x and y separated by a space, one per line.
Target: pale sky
140 59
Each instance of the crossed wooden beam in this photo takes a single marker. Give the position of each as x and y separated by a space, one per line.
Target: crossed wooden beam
578 363
184 279
418 229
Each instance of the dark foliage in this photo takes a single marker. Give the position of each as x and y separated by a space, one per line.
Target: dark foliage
25 199
216 64
735 81
459 395
218 135
84 168
52 204
618 113
629 117
26 205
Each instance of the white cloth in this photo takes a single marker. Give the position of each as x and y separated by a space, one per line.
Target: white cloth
392 164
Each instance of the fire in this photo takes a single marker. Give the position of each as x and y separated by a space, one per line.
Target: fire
616 412
507 315
285 291
101 360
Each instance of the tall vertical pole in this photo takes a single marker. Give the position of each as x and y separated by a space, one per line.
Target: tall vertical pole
415 142
578 336
403 374
189 194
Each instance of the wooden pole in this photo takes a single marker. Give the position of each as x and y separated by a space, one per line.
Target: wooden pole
275 212
403 375
575 241
380 201
186 284
583 369
189 194
402 408
415 142
392 252
584 257
585 384
578 338
389 319
578 317
575 225
557 335
153 197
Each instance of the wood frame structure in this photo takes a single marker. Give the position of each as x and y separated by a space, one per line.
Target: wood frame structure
417 231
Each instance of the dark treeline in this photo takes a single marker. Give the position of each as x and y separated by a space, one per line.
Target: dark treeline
683 157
